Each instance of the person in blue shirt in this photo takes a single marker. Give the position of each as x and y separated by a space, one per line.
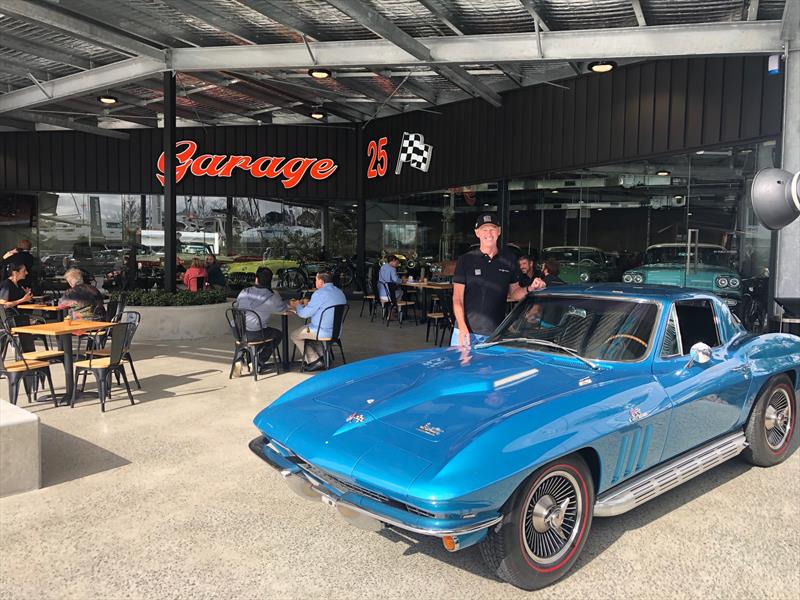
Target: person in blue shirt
325 296
388 274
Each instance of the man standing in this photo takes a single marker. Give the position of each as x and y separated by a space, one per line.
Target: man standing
484 279
387 275
12 292
264 302
325 296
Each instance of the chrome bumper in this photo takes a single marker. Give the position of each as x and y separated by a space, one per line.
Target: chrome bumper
358 510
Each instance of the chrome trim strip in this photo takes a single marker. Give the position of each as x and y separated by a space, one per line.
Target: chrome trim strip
652 484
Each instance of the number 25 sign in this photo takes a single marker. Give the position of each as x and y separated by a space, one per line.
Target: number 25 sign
378 159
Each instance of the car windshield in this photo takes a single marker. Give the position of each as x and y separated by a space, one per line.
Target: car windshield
709 255
573 255
595 328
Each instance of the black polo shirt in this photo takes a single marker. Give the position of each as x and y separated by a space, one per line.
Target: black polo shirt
10 291
486 282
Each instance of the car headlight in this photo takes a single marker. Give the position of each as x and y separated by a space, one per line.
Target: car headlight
734 282
638 278
722 282
584 277
627 278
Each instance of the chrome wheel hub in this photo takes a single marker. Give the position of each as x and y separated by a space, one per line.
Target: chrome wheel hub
778 419
554 510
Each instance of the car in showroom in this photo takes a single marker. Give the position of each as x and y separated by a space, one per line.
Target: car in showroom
580 264
587 401
241 271
709 267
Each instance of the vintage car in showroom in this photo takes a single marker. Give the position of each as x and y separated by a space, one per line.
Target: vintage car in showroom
241 271
587 401
580 264
709 268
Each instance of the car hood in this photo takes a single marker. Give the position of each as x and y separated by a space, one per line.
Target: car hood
413 413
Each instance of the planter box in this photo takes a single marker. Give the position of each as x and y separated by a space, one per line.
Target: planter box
181 322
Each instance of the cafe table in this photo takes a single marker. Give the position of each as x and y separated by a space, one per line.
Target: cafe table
423 287
285 362
57 312
63 331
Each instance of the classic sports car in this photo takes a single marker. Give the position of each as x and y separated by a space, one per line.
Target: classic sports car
586 401
709 269
241 272
580 264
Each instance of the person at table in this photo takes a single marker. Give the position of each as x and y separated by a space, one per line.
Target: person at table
12 291
83 300
485 278
387 275
193 273
527 267
325 296
550 271
180 268
264 302
216 278
21 255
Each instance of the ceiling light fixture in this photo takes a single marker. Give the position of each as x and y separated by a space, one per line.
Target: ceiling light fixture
107 99
602 66
319 73
317 114
554 191
662 173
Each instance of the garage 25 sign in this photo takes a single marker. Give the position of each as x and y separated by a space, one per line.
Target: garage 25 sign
413 150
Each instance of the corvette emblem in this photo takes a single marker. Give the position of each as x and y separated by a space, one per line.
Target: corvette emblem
636 414
355 417
430 429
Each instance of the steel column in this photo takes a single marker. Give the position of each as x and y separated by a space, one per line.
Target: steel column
504 208
229 226
170 204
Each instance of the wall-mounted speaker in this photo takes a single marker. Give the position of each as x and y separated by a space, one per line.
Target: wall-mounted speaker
776 197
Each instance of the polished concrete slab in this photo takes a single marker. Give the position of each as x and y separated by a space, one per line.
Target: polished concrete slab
164 500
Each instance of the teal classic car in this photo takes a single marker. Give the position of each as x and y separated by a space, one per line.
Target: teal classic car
580 264
709 268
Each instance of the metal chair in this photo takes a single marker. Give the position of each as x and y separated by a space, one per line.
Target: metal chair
398 306
448 317
17 371
339 315
102 367
132 318
370 294
248 350
199 284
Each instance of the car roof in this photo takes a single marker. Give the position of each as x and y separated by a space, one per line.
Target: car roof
581 247
665 293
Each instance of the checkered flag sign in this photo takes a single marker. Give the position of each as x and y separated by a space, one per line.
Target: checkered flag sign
414 151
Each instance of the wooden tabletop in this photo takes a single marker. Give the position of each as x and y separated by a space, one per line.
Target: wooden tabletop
61 327
38 307
433 285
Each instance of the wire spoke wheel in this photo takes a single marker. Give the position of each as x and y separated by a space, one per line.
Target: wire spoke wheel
553 511
778 419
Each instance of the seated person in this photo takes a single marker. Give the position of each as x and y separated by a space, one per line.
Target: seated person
12 291
216 277
193 273
388 274
84 301
263 301
180 269
325 296
550 270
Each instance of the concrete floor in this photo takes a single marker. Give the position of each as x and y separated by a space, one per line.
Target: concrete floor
164 500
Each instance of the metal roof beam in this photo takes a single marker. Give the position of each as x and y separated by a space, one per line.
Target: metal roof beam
752 10
380 25
68 124
77 84
637 9
366 90
77 27
531 8
17 124
742 37
34 49
790 23
223 24
20 69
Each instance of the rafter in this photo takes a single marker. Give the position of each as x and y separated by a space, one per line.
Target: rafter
34 49
77 27
380 25
35 117
637 9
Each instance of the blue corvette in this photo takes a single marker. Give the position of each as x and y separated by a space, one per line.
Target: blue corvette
586 401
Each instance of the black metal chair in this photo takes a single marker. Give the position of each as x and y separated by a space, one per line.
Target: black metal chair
102 367
448 321
370 293
339 315
132 318
200 284
247 350
397 306
20 370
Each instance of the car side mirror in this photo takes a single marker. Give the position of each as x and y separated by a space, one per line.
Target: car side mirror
699 353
